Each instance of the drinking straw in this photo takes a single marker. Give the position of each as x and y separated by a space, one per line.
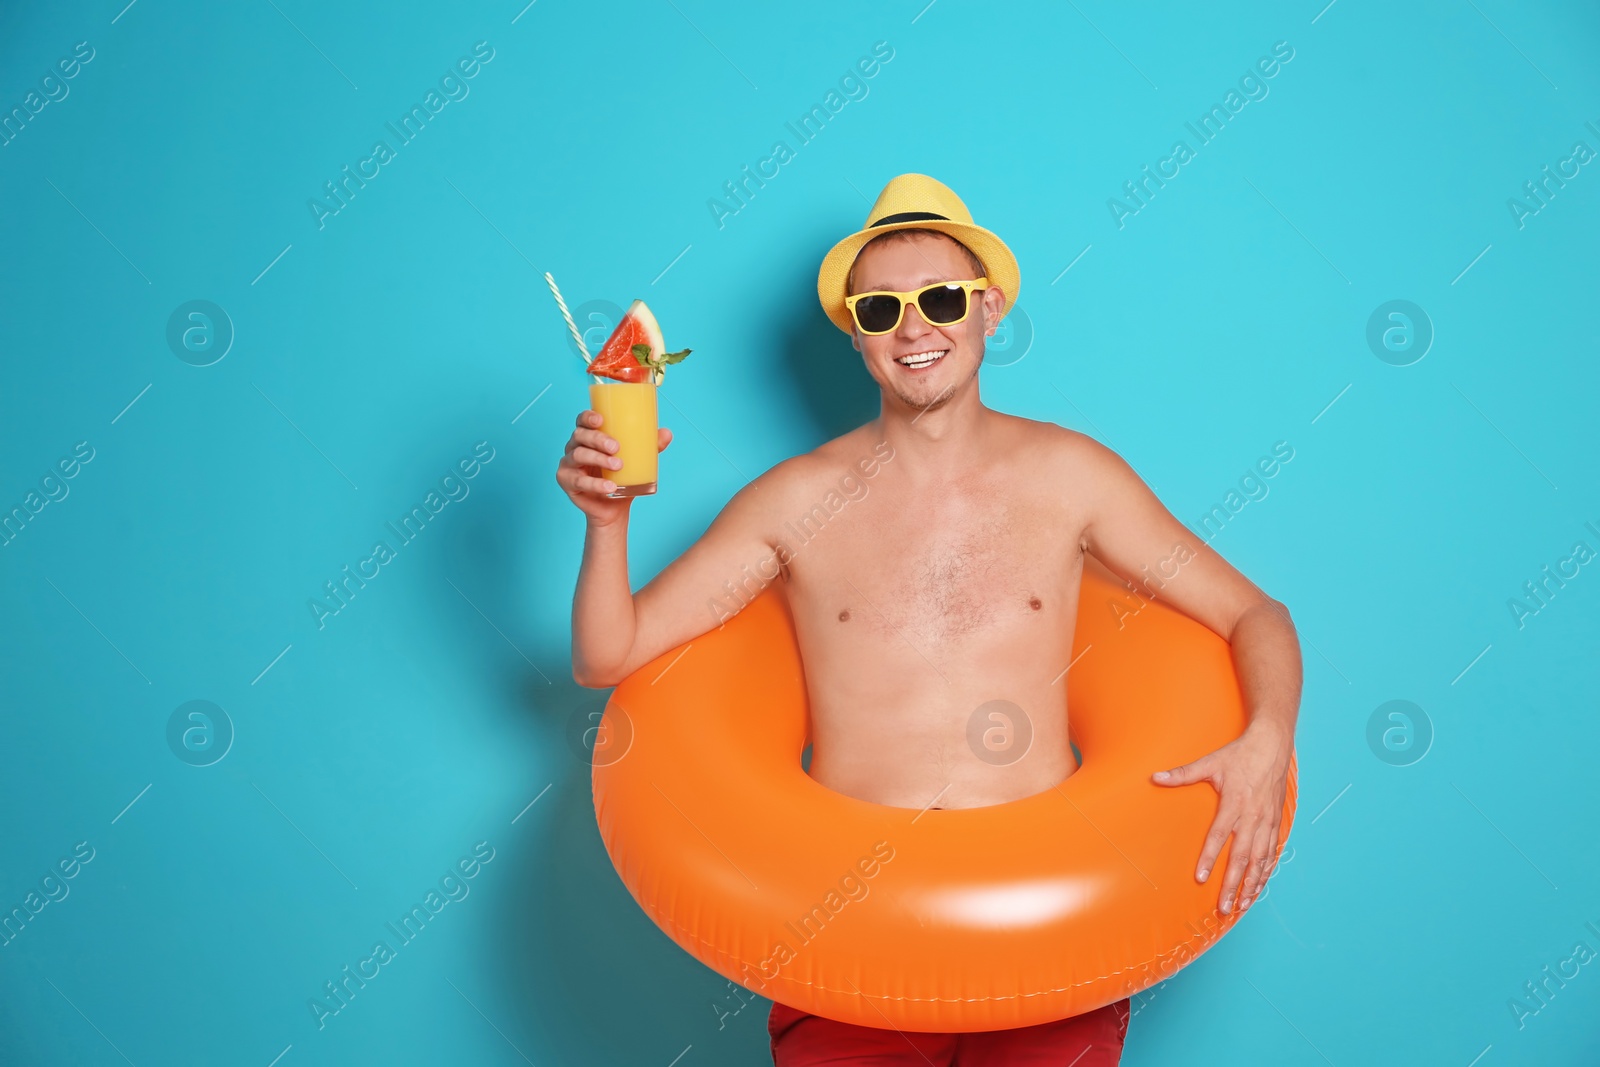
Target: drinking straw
572 327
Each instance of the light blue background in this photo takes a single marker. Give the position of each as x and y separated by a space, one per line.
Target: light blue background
429 713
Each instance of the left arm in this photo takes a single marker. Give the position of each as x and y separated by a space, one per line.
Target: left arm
1130 531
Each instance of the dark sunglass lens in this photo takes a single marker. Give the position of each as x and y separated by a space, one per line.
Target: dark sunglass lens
878 313
943 305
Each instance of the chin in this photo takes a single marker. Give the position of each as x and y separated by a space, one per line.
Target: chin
936 398
943 385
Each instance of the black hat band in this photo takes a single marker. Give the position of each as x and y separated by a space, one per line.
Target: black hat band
909 216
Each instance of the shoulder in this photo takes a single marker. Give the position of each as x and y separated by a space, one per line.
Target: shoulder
1055 443
842 464
1076 460
859 454
861 451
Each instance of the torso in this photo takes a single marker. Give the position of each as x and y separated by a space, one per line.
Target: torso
935 623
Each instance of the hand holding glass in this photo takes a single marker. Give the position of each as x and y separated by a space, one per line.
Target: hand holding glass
628 414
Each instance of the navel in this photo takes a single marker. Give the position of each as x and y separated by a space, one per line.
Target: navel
844 616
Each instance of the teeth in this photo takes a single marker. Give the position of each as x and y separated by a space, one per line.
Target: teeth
920 359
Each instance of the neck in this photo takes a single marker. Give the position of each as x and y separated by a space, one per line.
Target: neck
936 442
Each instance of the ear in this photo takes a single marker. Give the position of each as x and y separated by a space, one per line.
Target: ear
994 303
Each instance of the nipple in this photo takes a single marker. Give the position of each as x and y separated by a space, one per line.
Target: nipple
844 616
1034 603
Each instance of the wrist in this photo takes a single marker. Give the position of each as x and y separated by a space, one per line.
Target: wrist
619 522
1270 731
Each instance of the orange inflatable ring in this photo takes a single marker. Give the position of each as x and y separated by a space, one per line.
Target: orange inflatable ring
945 920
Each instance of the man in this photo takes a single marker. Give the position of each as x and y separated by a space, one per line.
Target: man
936 591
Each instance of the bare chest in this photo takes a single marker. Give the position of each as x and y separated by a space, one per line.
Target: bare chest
938 570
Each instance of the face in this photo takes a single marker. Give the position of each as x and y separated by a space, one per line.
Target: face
911 263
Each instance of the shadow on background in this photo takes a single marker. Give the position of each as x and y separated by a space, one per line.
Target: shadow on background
580 953
577 964
833 387
594 972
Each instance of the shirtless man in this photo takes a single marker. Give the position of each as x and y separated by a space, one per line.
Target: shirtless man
936 591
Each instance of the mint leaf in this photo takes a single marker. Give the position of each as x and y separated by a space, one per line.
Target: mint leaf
641 354
676 357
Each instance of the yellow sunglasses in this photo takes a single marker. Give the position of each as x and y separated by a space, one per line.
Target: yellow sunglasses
941 304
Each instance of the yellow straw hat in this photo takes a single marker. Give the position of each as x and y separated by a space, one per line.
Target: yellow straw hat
916 201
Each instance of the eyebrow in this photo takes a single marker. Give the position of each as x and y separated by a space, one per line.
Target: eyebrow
927 279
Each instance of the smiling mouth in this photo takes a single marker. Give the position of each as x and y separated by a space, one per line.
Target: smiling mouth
922 360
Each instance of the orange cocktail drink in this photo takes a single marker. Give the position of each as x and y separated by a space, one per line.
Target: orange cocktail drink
633 363
628 413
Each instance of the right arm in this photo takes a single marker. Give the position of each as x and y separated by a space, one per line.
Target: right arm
614 631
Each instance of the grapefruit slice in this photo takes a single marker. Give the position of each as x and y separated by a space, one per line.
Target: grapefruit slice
616 359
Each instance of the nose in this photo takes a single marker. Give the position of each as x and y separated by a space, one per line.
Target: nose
907 328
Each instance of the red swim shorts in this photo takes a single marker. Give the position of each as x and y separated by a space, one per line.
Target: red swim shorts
1093 1039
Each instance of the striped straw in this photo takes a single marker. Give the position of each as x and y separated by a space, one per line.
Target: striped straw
572 327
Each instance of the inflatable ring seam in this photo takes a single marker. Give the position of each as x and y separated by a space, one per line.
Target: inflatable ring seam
793 981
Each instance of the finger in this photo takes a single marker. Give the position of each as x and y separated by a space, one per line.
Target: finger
595 439
1221 826
1261 865
1272 869
589 417
576 448
589 484
1186 774
663 438
588 457
1255 880
1210 848
575 480
1239 857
